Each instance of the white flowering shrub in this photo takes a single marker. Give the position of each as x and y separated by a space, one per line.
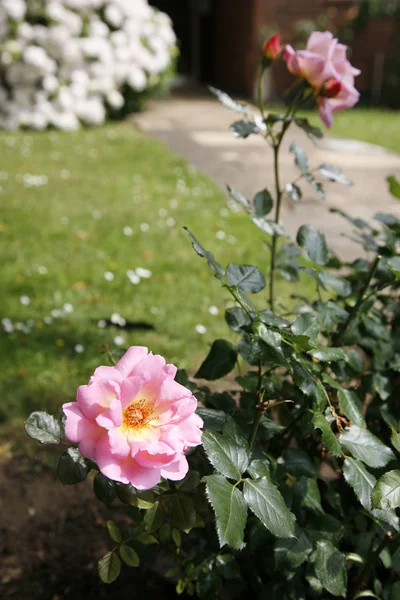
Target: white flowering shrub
67 62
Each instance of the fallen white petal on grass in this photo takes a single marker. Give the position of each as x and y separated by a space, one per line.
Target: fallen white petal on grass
201 329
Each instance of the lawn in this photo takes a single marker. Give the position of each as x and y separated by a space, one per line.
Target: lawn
367 124
80 213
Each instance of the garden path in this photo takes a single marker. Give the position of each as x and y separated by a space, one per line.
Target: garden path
196 126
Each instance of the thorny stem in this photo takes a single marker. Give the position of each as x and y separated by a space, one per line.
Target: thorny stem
353 312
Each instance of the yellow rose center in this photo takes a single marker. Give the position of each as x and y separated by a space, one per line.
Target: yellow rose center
137 415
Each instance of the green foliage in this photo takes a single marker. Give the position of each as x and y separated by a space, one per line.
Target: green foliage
71 467
43 427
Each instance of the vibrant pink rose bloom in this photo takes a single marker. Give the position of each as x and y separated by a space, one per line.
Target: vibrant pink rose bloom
324 60
135 421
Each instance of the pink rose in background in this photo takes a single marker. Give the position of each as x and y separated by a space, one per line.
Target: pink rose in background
324 62
135 421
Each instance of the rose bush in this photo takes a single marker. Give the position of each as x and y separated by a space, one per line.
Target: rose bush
66 62
294 492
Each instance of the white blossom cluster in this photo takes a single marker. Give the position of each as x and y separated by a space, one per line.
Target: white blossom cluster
66 62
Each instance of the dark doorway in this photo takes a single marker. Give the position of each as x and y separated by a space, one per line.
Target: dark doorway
194 25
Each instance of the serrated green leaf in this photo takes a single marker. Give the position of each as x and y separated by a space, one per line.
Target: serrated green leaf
226 456
307 325
154 517
189 482
147 539
247 278
237 318
340 286
263 203
355 360
312 131
114 531
213 419
181 510
366 447
220 361
239 198
329 439
129 556
298 463
335 174
266 502
394 186
325 354
230 510
228 102
314 242
300 157
395 440
71 467
394 264
43 427
294 551
270 345
308 495
109 567
330 568
198 248
232 430
386 493
294 192
104 488
242 129
351 406
259 468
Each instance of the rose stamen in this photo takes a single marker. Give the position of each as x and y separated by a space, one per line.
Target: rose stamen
137 415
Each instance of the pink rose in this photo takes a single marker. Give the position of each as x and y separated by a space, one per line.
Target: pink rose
135 421
324 60
272 47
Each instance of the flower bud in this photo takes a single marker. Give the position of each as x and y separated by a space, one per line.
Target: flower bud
331 88
272 47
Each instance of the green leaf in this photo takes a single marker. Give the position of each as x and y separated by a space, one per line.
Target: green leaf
329 439
394 264
71 467
395 591
43 427
219 362
294 192
330 568
355 361
147 539
226 456
263 203
154 517
129 556
267 503
242 129
334 174
189 482
230 510
292 552
219 271
298 463
270 345
307 492
109 567
307 325
359 223
340 286
386 493
300 157
259 468
232 430
268 226
227 566
316 185
367 594
394 186
351 406
325 354
245 277
213 419
395 440
312 131
366 447
114 531
104 488
314 242
228 102
237 318
181 511
239 198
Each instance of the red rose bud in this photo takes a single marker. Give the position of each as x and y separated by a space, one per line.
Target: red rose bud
272 47
331 88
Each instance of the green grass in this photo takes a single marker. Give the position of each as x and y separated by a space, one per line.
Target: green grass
99 182
375 126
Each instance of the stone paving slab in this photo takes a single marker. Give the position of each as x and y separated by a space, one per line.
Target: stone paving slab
197 127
